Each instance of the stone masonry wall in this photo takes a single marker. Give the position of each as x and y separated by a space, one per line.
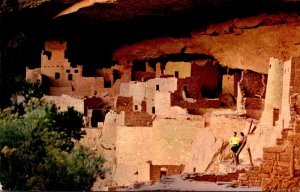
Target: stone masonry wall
280 169
228 84
138 119
273 97
167 142
92 103
206 78
285 113
124 104
253 84
183 69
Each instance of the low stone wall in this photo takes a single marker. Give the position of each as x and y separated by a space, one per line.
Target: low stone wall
138 119
155 171
280 169
229 177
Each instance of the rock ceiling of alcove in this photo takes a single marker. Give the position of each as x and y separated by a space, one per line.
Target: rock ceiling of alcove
127 9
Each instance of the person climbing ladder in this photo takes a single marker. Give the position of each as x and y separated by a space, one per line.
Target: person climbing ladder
235 143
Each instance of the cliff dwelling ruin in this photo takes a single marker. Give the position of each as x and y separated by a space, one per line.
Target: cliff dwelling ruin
162 103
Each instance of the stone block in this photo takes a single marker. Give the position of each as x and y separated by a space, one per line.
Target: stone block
297 129
269 162
264 175
294 137
265 183
283 164
274 185
252 178
257 179
244 178
275 172
296 142
256 168
297 166
267 169
281 169
277 149
242 174
257 184
281 173
250 172
269 156
284 184
284 157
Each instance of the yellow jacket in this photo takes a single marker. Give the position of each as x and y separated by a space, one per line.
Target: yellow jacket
234 140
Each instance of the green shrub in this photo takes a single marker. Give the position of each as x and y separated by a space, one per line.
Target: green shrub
37 149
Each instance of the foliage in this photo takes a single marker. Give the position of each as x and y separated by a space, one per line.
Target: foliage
29 90
37 149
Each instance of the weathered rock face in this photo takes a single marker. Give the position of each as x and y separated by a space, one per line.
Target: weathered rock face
112 10
250 49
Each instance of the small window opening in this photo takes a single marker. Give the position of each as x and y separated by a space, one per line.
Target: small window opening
68 70
76 71
176 74
57 75
136 107
153 110
70 77
97 116
163 172
157 87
